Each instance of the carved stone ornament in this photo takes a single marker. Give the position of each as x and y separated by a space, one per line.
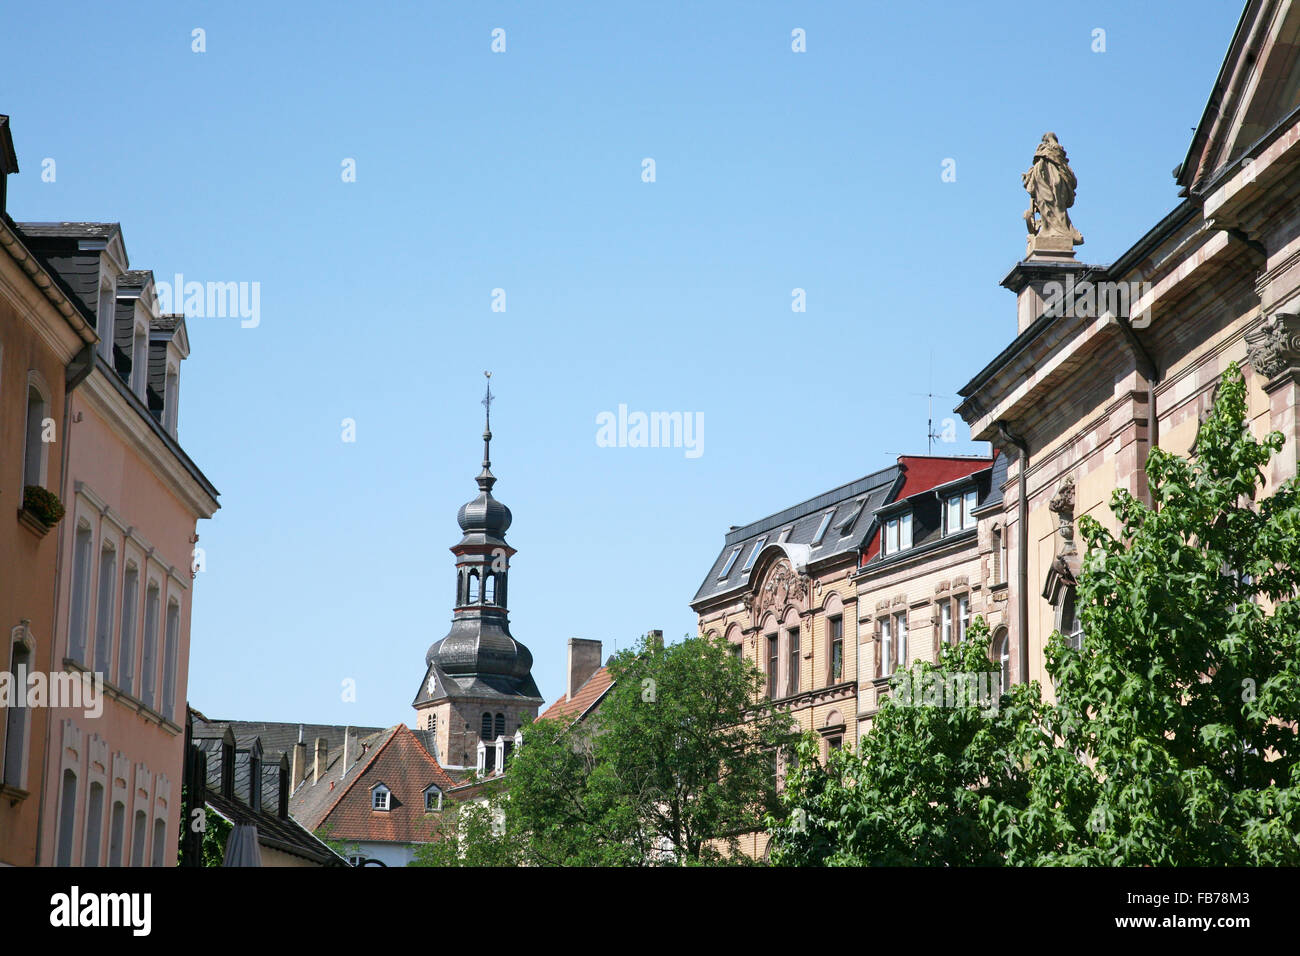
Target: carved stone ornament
1274 347
1062 505
1050 183
783 587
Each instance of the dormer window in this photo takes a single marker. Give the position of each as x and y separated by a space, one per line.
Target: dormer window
105 317
432 799
897 534
753 555
731 562
380 797
958 512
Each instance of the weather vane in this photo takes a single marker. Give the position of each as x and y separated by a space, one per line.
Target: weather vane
487 398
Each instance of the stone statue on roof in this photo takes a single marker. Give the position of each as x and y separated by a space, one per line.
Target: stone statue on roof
1050 183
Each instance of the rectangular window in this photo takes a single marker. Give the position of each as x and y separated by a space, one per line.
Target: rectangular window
773 659
379 799
149 650
170 643
852 517
80 596
963 616
731 561
738 652
900 642
886 647
126 648
753 555
104 611
836 649
957 512
792 637
821 528
898 534
945 622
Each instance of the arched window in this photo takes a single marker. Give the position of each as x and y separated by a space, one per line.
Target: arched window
149 649
104 609
489 589
500 726
1002 654
67 817
94 824
486 732
126 645
171 643
80 593
34 449
473 588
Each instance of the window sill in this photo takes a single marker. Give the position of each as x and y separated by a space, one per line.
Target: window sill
32 523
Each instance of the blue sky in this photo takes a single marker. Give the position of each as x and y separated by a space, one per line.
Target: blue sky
522 171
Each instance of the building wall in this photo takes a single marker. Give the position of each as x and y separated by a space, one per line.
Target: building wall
35 341
818 705
117 495
918 587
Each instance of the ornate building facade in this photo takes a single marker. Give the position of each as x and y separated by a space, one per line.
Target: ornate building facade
1129 358
478 687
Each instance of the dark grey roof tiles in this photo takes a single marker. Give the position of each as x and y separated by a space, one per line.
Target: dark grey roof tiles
79 230
862 496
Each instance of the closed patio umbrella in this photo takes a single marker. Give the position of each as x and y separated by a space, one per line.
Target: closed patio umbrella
242 848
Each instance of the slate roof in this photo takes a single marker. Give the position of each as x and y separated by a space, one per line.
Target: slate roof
285 834
863 496
311 802
279 737
78 230
588 696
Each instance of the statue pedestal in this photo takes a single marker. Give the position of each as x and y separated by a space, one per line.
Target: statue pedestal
1049 247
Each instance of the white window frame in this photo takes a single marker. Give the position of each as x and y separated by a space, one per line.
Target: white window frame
381 798
432 790
897 535
759 545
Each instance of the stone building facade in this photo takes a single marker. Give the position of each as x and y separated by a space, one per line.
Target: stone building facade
1129 357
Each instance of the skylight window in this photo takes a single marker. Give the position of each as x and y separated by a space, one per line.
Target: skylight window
851 518
753 555
821 528
726 568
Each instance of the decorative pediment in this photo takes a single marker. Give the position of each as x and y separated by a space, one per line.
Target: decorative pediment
782 586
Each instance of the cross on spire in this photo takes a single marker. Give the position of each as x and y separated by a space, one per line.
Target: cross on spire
486 479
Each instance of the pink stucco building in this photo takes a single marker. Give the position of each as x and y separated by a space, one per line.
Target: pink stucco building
126 553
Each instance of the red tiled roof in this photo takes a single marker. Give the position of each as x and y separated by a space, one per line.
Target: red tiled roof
406 769
921 473
588 695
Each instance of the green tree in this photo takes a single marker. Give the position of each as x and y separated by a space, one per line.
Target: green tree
942 754
1172 739
1185 697
676 763
473 832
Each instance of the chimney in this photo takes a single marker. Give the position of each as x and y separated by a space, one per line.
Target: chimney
654 639
299 760
584 660
8 158
322 751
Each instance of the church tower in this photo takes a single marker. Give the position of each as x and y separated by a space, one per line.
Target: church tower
478 685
